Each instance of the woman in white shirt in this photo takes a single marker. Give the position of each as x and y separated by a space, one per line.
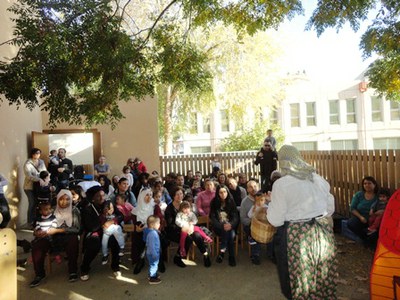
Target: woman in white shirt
300 208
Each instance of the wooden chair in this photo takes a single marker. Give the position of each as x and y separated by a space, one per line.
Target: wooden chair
128 229
217 244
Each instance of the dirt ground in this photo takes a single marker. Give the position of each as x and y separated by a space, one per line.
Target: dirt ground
220 281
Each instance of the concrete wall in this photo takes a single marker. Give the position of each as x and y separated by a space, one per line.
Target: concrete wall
16 126
137 135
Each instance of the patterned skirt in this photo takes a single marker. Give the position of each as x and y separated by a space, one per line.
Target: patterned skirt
311 253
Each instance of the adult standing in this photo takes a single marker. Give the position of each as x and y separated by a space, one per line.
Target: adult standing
92 227
267 158
271 139
32 168
246 206
174 231
224 219
65 236
304 243
361 205
62 172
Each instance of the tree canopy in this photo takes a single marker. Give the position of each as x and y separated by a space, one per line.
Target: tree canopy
78 59
381 38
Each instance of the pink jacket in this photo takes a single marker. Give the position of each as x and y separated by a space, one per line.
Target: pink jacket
203 202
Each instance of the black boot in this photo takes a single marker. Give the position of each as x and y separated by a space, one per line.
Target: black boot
220 257
178 261
25 245
207 260
161 266
139 266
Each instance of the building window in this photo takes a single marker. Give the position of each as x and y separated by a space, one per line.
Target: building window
344 145
394 111
206 125
203 149
295 115
193 128
387 143
274 116
351 111
305 146
376 109
224 120
334 112
310 113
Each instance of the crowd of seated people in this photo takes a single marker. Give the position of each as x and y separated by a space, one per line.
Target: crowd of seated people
82 210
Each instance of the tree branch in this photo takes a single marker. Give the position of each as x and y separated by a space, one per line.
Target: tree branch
156 21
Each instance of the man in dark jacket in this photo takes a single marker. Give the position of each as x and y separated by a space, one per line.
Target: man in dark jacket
267 158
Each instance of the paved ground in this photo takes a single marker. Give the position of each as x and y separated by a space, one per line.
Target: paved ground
220 281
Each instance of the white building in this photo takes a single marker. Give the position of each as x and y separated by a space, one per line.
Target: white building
354 118
313 118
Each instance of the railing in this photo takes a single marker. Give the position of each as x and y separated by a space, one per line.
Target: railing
343 170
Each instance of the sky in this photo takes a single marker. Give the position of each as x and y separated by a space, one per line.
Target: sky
332 60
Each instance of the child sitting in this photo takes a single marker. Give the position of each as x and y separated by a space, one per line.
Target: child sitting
186 220
110 227
377 210
125 208
259 211
153 247
45 221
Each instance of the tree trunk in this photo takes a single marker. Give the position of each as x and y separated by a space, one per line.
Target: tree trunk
169 106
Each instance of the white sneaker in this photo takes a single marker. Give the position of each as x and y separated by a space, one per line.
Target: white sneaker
85 277
117 274
121 253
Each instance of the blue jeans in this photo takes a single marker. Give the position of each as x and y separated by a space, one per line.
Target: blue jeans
227 240
255 249
153 266
116 231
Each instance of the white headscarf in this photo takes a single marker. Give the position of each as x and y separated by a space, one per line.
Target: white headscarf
64 215
143 210
291 163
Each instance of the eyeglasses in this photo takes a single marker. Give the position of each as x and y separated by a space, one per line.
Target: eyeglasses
131 161
267 146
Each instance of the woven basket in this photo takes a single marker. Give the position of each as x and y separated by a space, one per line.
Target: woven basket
262 232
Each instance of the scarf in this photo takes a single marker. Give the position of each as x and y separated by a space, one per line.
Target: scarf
143 210
291 163
64 215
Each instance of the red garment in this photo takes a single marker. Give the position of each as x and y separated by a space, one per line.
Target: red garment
126 210
158 213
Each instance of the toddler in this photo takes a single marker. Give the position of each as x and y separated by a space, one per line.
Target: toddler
126 173
53 158
186 220
377 210
43 188
153 247
125 208
111 227
157 195
259 211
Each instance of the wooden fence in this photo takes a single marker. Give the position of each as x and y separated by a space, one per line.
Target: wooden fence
343 170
